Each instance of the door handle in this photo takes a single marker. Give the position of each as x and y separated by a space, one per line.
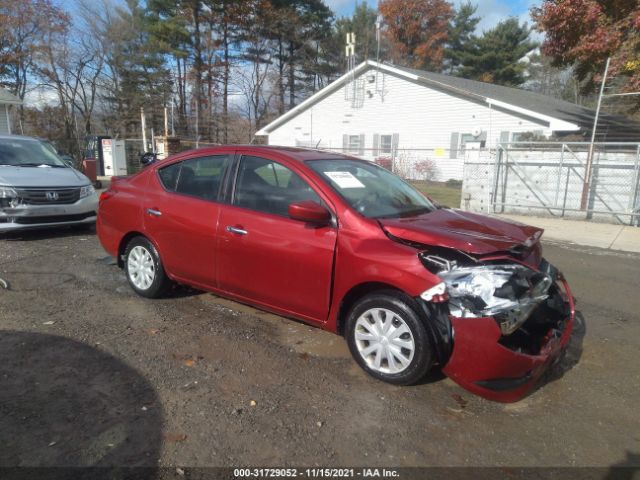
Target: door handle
155 213
236 230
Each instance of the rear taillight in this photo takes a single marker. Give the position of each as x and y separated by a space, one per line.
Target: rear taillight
106 195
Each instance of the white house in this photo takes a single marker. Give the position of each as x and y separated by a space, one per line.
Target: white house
6 101
380 110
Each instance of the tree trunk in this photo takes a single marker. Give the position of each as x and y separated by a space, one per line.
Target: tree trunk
225 84
292 78
281 103
197 48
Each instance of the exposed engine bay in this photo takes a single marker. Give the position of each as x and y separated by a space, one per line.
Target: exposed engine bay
528 305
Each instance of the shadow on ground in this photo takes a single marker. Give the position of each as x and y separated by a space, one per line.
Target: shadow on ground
571 355
64 403
31 235
628 469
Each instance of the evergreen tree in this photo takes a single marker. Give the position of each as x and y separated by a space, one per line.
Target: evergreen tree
139 74
495 57
298 29
461 35
363 24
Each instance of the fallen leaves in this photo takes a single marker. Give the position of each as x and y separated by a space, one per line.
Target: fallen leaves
174 437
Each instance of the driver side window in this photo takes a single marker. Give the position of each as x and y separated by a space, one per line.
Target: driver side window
267 186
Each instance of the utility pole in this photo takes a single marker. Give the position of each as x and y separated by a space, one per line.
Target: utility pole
144 130
166 123
584 203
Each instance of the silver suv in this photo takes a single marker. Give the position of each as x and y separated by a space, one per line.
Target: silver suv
38 189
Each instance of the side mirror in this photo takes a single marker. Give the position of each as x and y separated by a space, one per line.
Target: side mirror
309 212
148 158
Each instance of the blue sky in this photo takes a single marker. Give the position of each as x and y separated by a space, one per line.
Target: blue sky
491 11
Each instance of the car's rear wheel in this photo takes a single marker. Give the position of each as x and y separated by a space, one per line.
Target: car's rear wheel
144 269
388 339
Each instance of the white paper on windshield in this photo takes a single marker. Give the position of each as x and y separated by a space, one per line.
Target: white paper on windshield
344 179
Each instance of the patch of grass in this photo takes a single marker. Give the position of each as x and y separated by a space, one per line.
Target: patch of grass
440 192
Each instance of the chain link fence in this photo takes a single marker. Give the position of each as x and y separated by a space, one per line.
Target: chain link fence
549 179
430 165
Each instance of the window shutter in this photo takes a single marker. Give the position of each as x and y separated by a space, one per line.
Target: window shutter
376 144
361 151
345 143
453 148
394 144
504 137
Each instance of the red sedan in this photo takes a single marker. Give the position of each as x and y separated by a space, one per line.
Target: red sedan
345 245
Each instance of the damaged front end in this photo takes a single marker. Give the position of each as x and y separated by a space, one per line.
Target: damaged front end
509 320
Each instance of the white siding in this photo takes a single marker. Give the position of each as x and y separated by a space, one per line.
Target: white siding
423 118
4 127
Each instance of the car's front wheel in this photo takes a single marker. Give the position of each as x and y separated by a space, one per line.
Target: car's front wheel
144 269
388 339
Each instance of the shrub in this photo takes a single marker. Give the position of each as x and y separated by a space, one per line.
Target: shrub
385 162
426 169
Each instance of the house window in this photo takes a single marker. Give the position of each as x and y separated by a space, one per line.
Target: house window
354 143
386 144
470 138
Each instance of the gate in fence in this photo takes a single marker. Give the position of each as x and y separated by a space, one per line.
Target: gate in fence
549 178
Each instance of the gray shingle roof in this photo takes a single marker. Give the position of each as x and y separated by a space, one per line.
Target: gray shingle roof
6 97
610 127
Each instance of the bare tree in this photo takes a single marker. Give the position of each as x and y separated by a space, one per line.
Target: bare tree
254 80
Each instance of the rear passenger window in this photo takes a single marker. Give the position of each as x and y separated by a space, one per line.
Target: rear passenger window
201 177
169 176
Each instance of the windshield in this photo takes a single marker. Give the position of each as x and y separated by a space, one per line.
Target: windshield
371 190
22 152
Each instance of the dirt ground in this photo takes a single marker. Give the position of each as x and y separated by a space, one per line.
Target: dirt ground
91 374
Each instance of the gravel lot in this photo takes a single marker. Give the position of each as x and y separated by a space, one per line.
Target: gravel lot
91 374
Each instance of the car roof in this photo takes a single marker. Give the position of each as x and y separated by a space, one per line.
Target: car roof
18 137
300 154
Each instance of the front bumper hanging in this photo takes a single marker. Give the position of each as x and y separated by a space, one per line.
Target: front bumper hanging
493 366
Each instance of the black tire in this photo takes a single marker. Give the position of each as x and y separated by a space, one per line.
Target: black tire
160 283
406 309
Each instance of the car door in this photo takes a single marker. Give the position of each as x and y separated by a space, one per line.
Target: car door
266 257
181 215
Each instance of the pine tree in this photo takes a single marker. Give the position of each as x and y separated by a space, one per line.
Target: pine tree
461 35
495 57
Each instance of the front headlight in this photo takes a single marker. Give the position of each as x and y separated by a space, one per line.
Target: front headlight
8 197
87 191
478 284
8 192
508 292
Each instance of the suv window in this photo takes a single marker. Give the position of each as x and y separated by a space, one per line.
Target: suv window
267 186
198 177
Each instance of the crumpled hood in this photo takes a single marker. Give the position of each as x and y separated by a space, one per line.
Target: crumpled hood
468 232
41 177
